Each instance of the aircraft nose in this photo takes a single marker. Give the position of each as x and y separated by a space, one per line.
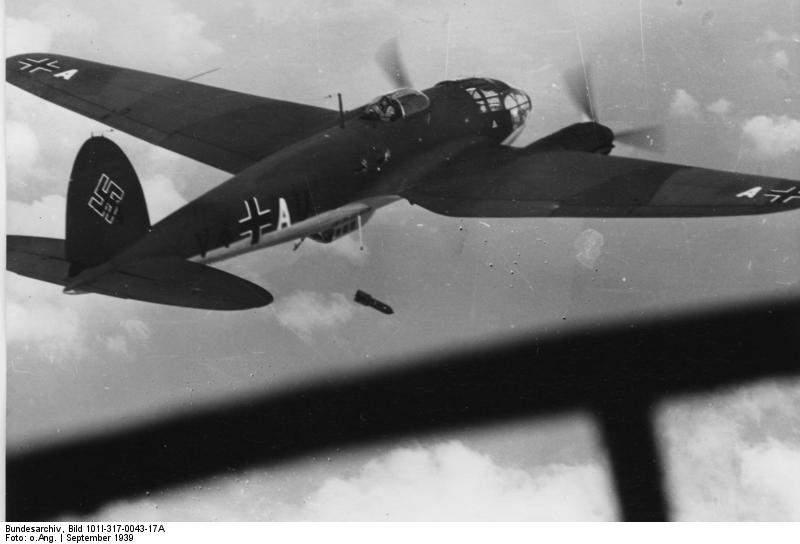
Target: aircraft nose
524 100
518 104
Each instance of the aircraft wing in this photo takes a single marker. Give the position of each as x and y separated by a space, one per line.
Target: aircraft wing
521 183
224 129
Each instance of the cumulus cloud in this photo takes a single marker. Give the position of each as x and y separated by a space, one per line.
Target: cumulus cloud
41 319
684 104
305 312
447 481
772 137
735 456
452 482
721 107
589 245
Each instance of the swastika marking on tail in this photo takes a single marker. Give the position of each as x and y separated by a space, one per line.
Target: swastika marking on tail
106 198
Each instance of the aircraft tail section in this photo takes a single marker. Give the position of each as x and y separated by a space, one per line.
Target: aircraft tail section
106 210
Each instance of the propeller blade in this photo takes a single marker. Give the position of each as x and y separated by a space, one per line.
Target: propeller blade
579 86
650 138
389 59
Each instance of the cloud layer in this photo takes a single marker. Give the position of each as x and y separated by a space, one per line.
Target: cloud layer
446 481
724 460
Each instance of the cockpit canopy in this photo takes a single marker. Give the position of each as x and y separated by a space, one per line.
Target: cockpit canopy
492 95
400 104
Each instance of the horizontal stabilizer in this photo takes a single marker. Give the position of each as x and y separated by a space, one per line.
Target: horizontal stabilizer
163 280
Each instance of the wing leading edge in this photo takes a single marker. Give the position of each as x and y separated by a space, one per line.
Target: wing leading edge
224 129
519 183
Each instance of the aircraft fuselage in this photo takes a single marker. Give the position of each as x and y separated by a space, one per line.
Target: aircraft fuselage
360 162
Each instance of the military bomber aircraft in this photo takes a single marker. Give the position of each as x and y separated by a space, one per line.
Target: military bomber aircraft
301 172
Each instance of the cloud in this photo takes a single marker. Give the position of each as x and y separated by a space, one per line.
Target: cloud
305 312
162 197
42 319
22 150
43 217
441 482
68 329
451 482
684 105
734 456
772 471
721 107
780 59
772 136
35 320
589 245
26 36
117 33
770 36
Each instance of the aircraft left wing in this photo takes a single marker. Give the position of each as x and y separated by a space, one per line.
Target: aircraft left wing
224 129
521 183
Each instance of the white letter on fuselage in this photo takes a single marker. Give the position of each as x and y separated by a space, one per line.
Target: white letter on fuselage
284 219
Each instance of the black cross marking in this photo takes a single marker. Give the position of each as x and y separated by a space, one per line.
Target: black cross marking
783 196
39 64
255 222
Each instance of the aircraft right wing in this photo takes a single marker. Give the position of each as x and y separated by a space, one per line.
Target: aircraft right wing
509 182
224 129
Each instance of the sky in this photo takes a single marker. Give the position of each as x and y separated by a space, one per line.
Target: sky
722 76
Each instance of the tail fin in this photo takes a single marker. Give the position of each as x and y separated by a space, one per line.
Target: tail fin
106 210
105 213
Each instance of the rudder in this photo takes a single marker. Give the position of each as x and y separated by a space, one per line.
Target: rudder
106 210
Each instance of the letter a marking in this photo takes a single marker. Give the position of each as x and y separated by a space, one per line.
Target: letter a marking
284 219
750 193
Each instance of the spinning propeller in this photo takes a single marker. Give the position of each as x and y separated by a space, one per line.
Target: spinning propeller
579 87
388 57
